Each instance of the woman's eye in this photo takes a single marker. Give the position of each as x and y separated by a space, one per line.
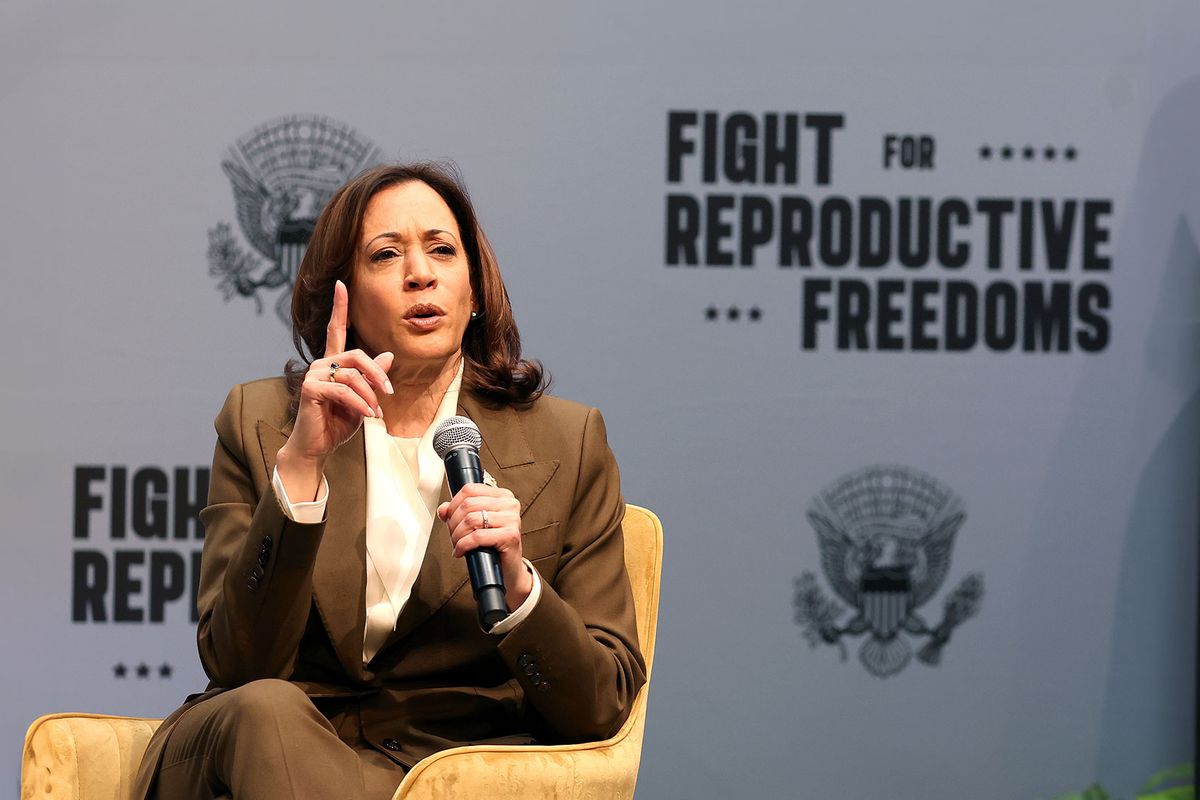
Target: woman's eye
443 250
385 254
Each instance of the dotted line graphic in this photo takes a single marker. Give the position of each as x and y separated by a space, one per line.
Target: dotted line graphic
142 670
733 314
1007 152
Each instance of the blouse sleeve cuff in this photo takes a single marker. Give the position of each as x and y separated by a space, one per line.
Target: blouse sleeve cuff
517 617
304 513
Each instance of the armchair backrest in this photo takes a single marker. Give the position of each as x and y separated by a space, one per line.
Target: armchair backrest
643 560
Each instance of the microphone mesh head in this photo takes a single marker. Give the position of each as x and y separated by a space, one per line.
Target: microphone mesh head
456 432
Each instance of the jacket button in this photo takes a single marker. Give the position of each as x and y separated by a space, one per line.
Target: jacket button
542 686
531 669
252 583
525 660
267 542
257 573
391 744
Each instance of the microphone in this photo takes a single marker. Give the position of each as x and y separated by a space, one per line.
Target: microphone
457 441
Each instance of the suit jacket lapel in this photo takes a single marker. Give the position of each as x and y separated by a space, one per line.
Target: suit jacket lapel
340 578
506 454
506 451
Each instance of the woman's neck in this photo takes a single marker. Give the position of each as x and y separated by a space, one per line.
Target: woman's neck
419 392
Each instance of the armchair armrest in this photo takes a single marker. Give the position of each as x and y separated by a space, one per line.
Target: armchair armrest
67 756
605 769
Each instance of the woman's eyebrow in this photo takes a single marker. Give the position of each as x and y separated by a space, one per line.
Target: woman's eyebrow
386 235
432 232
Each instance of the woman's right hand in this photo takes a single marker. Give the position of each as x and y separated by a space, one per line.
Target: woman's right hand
333 403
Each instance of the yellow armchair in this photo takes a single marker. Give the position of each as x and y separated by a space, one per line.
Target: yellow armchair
94 757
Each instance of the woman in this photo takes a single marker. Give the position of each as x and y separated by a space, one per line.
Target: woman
336 621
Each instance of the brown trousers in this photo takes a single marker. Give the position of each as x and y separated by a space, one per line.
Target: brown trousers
266 740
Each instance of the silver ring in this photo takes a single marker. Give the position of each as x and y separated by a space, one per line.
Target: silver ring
333 368
484 515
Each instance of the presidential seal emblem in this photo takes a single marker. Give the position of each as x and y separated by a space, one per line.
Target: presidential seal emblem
886 534
283 173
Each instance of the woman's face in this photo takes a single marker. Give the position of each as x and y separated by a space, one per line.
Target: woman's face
411 286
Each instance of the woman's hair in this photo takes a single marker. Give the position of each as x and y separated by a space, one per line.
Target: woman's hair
491 345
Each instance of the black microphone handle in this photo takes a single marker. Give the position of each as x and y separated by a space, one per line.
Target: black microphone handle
483 563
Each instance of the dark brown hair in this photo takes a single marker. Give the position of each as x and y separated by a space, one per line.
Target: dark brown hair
491 345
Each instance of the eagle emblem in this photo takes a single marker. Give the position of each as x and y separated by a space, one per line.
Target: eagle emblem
283 173
886 534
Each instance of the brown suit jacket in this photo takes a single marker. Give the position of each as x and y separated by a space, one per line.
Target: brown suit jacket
280 599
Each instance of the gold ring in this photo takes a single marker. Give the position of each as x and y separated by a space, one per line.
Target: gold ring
484 515
333 368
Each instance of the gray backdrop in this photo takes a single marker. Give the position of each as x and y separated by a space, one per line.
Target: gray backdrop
1074 471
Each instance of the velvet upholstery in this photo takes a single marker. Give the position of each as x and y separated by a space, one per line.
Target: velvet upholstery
94 757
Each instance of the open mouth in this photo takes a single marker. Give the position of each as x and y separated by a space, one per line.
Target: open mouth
424 311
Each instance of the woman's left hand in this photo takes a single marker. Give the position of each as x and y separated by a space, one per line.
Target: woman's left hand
465 515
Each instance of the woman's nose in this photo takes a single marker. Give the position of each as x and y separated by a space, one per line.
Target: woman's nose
420 273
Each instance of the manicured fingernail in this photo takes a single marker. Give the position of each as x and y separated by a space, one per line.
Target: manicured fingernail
387 386
379 411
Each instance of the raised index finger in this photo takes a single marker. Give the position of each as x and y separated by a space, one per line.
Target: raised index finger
335 334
